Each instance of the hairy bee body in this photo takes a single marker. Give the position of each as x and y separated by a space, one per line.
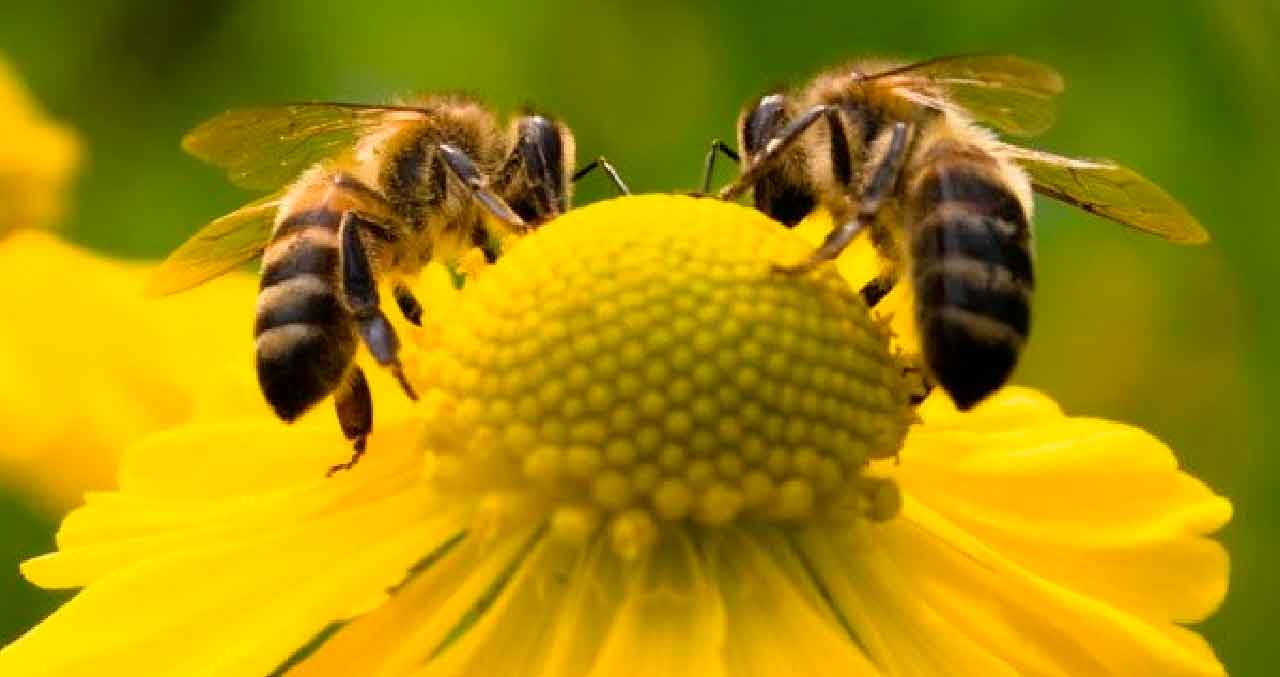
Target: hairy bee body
364 194
897 150
305 335
957 218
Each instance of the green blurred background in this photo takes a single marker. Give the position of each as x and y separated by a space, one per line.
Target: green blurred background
1128 327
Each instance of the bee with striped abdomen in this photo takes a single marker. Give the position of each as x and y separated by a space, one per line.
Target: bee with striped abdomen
901 153
370 193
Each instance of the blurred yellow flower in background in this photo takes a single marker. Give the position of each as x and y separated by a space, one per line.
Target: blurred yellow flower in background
89 365
111 366
107 367
640 452
38 158
49 451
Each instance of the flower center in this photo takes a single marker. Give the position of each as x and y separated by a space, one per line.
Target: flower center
637 362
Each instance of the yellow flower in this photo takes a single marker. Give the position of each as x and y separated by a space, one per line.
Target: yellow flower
37 159
639 452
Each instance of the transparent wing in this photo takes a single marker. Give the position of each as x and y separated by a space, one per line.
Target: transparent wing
267 147
1104 188
217 248
1006 92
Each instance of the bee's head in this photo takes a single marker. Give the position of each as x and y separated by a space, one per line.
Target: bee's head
539 189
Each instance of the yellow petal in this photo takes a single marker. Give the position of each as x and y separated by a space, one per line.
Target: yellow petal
671 621
1037 626
435 612
234 605
381 642
1032 542
1095 506
900 633
233 584
232 503
511 636
597 586
774 628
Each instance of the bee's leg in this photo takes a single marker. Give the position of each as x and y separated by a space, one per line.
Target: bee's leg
879 287
360 292
918 380
487 243
782 141
355 415
920 383
461 166
409 305
607 167
883 180
709 165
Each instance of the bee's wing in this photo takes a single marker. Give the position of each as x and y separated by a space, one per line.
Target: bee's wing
1010 93
219 247
264 148
1109 190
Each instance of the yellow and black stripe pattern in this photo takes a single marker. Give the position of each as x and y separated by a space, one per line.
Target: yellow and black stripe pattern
304 335
970 247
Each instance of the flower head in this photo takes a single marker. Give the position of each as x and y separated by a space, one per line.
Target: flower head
640 452
654 370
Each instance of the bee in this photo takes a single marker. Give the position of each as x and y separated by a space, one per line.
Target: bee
904 151
363 193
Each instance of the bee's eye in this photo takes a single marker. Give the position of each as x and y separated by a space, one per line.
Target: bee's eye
763 122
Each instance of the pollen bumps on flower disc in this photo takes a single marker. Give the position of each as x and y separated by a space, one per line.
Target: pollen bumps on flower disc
639 362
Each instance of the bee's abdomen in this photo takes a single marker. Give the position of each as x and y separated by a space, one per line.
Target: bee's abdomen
972 272
304 336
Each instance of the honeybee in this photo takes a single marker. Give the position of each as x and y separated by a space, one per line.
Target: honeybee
369 193
903 153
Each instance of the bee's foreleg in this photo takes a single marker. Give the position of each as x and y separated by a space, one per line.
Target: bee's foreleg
718 147
409 305
355 415
883 180
781 142
607 167
461 166
360 292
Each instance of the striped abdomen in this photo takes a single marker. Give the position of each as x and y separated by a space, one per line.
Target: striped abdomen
971 267
305 336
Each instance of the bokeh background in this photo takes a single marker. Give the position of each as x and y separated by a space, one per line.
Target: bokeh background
1176 340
